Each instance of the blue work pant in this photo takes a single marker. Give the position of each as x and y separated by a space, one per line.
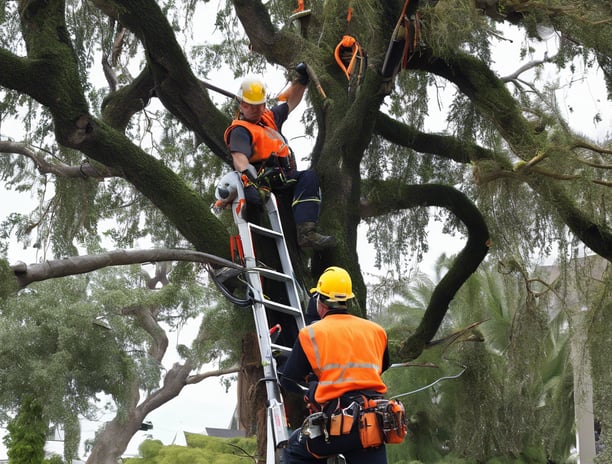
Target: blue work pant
306 201
297 450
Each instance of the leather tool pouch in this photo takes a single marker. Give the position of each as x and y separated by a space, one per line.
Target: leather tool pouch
335 424
382 421
370 429
342 421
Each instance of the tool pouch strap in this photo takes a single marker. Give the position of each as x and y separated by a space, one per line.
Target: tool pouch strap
343 422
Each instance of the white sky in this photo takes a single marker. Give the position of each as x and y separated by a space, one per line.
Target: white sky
207 404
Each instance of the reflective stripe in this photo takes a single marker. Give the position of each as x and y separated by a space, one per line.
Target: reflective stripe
298 200
315 348
308 200
346 354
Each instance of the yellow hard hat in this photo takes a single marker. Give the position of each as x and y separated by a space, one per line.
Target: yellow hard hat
335 284
252 90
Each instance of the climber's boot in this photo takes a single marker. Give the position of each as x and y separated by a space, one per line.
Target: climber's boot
308 237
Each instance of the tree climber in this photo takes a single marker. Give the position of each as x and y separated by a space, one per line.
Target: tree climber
261 154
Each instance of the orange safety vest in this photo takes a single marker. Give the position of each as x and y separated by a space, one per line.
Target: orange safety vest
346 354
266 139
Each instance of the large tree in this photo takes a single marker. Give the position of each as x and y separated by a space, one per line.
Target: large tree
110 153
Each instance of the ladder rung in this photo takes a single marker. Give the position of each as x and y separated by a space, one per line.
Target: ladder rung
280 307
265 231
272 274
280 348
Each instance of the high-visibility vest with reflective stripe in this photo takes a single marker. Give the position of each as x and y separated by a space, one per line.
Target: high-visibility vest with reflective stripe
346 354
266 139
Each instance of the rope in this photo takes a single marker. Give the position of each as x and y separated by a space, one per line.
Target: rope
448 377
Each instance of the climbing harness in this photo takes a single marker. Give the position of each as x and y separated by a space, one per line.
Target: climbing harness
404 40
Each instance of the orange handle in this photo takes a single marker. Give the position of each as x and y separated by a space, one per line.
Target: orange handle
347 42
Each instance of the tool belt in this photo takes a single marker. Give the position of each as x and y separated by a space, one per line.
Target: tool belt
377 421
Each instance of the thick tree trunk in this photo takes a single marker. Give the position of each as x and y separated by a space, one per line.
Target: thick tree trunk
114 441
252 399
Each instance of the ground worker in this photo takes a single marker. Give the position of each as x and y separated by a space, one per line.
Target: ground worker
339 359
261 154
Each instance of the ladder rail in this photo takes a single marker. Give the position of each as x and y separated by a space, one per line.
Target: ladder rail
277 428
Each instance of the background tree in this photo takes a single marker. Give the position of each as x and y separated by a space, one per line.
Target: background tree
199 450
500 379
107 333
28 432
108 152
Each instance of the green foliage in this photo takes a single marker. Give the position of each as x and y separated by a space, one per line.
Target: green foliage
54 459
27 432
453 25
492 412
75 213
224 326
64 357
8 285
200 449
599 330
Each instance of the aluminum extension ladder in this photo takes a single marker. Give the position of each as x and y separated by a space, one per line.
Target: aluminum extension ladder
267 311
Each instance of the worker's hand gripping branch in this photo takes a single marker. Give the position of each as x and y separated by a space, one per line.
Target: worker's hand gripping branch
256 190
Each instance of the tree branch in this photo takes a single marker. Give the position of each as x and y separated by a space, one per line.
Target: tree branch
489 95
119 106
526 67
174 82
85 169
26 274
597 236
443 146
193 379
392 195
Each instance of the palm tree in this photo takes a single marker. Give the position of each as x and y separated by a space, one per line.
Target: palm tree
514 397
